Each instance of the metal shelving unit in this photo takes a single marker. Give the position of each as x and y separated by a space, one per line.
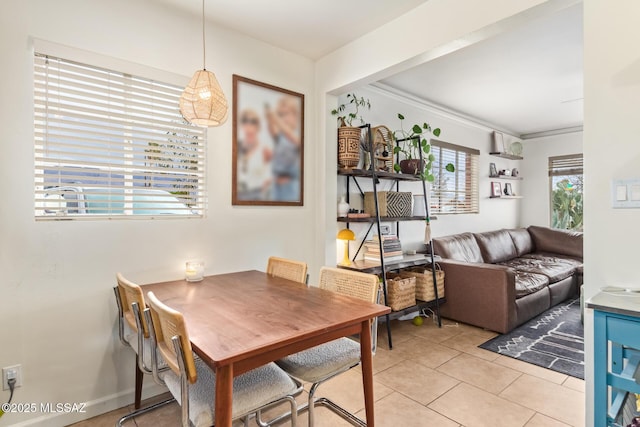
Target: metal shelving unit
409 260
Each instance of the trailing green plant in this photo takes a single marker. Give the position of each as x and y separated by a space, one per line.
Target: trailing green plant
567 203
414 141
346 117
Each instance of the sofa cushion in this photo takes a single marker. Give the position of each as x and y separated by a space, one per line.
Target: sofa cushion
554 268
529 283
496 246
557 241
459 247
522 241
544 255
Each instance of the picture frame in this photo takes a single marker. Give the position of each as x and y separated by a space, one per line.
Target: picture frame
508 190
498 143
267 145
496 189
493 170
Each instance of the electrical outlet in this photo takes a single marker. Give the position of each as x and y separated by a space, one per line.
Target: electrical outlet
9 372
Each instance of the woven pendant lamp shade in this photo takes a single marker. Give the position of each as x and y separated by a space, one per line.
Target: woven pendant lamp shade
202 102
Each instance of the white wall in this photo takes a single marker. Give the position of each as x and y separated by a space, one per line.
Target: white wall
494 213
535 170
433 29
611 150
57 276
58 310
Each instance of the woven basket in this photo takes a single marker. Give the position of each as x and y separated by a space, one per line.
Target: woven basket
391 203
401 292
424 282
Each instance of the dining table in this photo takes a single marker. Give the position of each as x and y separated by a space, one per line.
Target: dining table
240 321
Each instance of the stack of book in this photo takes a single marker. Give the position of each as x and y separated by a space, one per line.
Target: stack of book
391 247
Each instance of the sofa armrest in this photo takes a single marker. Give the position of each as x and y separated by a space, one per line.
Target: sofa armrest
480 294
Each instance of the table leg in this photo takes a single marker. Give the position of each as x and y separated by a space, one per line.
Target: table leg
600 369
224 395
367 371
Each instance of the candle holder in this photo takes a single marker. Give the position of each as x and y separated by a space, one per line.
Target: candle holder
194 271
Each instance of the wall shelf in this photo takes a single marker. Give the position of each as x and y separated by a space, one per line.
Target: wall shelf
507 156
512 178
506 197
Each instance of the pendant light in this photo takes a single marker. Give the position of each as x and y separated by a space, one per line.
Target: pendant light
202 102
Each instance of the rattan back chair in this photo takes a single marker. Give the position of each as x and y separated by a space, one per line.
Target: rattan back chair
193 383
134 333
287 269
321 363
129 293
351 283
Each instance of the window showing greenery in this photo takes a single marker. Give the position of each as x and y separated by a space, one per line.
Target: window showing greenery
567 190
112 145
454 192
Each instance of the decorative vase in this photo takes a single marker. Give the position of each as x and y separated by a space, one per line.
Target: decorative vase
366 160
343 207
418 206
411 166
348 147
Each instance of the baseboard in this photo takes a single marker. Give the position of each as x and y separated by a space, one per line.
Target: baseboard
92 408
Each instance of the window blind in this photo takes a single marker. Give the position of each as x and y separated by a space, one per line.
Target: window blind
566 165
454 192
112 145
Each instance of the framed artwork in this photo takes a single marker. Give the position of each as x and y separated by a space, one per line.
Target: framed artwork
268 145
498 143
508 190
496 189
493 171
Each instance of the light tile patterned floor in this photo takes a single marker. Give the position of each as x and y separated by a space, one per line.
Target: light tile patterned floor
437 378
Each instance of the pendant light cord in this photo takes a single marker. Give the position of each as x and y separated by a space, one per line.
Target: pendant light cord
204 48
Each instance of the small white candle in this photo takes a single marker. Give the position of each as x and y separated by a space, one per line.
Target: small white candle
194 271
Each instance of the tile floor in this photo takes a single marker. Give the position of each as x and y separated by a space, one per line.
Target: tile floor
437 378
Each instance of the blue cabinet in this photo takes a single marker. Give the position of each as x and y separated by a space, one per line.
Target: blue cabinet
616 353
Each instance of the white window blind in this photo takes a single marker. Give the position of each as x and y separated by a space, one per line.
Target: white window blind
566 165
112 145
454 192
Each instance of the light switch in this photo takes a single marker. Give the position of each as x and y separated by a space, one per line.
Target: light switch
621 193
625 193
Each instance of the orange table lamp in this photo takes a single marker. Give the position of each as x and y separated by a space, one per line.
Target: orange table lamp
346 235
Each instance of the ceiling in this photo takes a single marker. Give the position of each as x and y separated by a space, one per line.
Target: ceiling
312 28
526 81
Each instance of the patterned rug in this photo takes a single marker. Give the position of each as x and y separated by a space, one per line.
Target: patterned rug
553 340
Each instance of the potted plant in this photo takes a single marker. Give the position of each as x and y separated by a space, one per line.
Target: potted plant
410 144
349 135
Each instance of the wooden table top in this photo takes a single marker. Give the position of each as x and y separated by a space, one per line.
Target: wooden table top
231 317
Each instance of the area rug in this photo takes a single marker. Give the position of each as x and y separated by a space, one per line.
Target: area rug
553 340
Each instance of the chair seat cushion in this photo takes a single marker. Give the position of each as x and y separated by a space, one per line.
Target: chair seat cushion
251 391
529 283
320 362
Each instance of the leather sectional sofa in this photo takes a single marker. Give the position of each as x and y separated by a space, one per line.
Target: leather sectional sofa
500 279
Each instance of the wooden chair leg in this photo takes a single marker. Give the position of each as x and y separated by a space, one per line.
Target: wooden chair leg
139 377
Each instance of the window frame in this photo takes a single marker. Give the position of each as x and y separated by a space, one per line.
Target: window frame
196 153
471 177
567 165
